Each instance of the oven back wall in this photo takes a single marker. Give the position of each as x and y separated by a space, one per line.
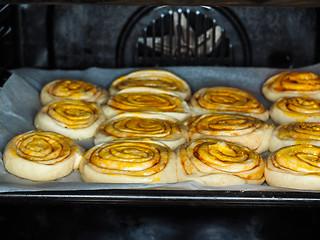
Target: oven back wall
76 37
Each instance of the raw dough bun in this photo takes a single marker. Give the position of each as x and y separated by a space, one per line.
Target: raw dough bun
157 127
62 89
248 131
295 109
152 78
295 133
216 162
148 100
227 100
124 161
42 156
292 84
73 118
296 166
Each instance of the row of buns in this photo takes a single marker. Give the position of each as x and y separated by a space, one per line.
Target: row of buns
46 156
294 96
233 116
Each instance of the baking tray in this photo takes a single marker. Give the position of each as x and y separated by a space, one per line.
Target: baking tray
15 190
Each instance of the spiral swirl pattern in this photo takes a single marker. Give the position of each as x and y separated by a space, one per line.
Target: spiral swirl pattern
46 148
73 89
223 99
142 126
74 114
210 156
297 159
150 78
137 161
299 106
299 131
223 124
294 81
145 101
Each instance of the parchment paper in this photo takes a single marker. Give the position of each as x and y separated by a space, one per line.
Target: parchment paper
19 103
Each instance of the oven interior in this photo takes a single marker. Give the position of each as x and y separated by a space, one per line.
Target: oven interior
66 36
79 37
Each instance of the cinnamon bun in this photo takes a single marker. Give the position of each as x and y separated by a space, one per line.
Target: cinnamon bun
296 166
216 162
295 133
124 161
152 78
62 89
73 118
227 100
148 100
248 131
292 84
295 109
42 156
157 127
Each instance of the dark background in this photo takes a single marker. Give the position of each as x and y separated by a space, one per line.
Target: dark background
85 36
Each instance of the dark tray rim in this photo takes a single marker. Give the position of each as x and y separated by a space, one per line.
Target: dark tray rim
220 198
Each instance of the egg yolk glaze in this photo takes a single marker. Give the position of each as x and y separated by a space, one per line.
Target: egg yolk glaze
299 131
299 105
135 159
144 101
223 124
209 156
298 159
74 114
294 81
46 148
74 89
150 78
140 126
226 99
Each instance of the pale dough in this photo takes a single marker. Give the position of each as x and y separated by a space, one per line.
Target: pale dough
157 127
213 162
147 100
152 78
62 89
248 131
129 161
73 118
42 156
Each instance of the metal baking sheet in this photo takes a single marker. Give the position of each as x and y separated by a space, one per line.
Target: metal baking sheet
20 102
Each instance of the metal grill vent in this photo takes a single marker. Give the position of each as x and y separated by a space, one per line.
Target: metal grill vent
171 36
188 38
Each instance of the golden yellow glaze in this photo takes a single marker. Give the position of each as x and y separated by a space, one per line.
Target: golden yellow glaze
136 159
299 106
301 159
223 124
74 114
149 78
223 99
144 101
210 156
295 81
42 147
299 131
141 127
73 89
